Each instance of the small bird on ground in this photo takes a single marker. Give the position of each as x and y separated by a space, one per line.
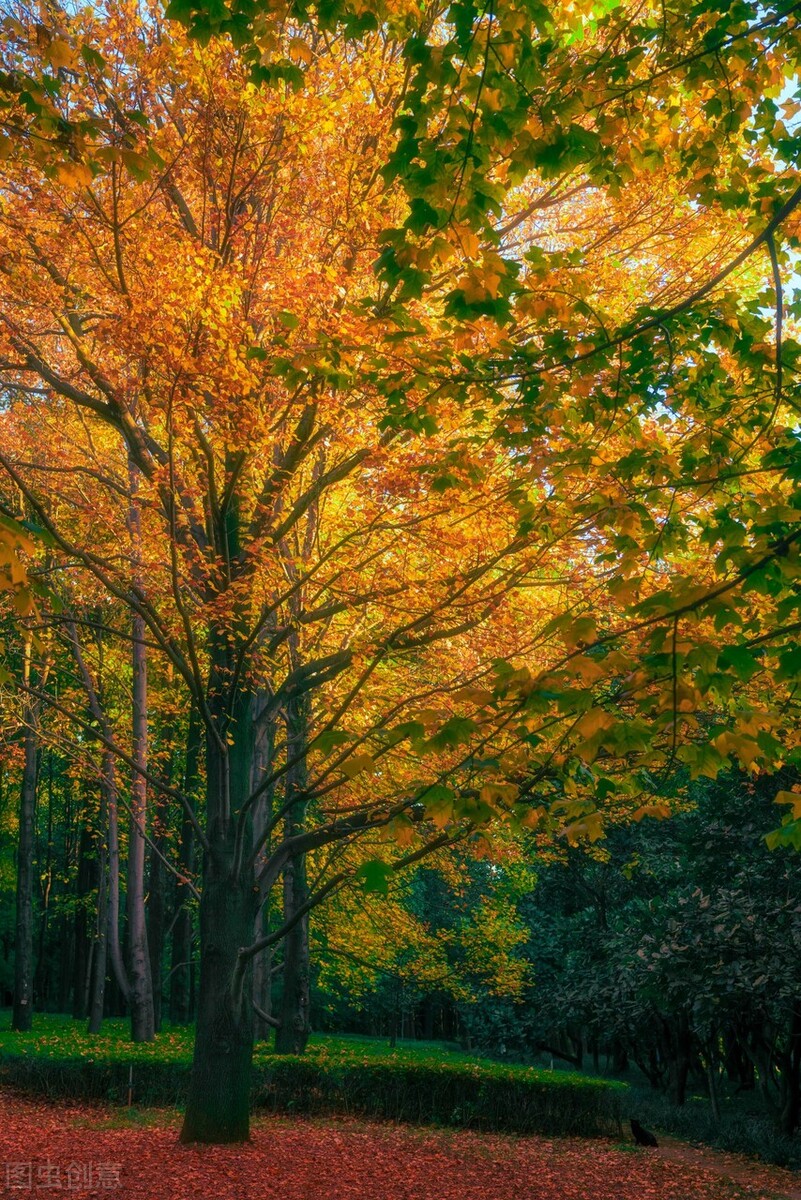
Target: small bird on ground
643 1137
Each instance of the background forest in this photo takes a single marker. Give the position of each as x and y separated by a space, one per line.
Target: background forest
399 521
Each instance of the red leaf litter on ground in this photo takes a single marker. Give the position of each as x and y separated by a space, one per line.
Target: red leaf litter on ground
57 1150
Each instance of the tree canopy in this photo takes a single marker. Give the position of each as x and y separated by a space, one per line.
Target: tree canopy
400 452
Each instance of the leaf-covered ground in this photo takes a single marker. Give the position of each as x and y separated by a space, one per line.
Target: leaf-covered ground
48 1150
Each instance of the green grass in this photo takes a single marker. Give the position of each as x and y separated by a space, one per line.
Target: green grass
57 1038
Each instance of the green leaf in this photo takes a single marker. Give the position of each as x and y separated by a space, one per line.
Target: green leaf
333 737
439 802
739 660
375 875
789 835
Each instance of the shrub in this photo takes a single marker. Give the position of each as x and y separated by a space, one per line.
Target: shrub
482 1096
152 1083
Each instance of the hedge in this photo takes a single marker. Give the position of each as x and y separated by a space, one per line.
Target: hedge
482 1096
152 1083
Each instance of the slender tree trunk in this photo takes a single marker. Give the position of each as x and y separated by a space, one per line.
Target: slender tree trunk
115 949
41 982
66 946
141 997
262 983
262 964
141 994
710 1067
293 1032
110 882
677 1044
97 979
182 935
85 883
155 905
22 1017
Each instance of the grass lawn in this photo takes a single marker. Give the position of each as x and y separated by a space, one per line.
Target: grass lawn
57 1037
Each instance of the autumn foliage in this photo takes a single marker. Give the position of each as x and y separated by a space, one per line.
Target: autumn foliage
399 454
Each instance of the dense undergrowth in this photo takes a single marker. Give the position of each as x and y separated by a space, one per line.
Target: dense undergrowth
742 1127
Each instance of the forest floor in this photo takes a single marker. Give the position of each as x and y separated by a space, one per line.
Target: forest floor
51 1150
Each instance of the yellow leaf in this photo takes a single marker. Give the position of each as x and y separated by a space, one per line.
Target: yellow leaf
466 239
74 175
506 52
481 846
474 695
491 281
23 602
61 53
402 831
506 793
745 748
589 827
659 811
427 716
793 798
588 669
592 721
357 765
300 51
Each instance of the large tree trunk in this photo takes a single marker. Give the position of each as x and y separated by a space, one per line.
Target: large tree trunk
22 1017
218 1106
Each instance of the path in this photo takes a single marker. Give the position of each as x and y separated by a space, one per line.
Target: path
79 1152
736 1167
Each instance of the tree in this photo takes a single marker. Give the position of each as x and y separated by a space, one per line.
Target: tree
675 946
269 574
460 526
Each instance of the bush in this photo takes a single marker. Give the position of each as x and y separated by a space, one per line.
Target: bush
482 1096
157 1084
